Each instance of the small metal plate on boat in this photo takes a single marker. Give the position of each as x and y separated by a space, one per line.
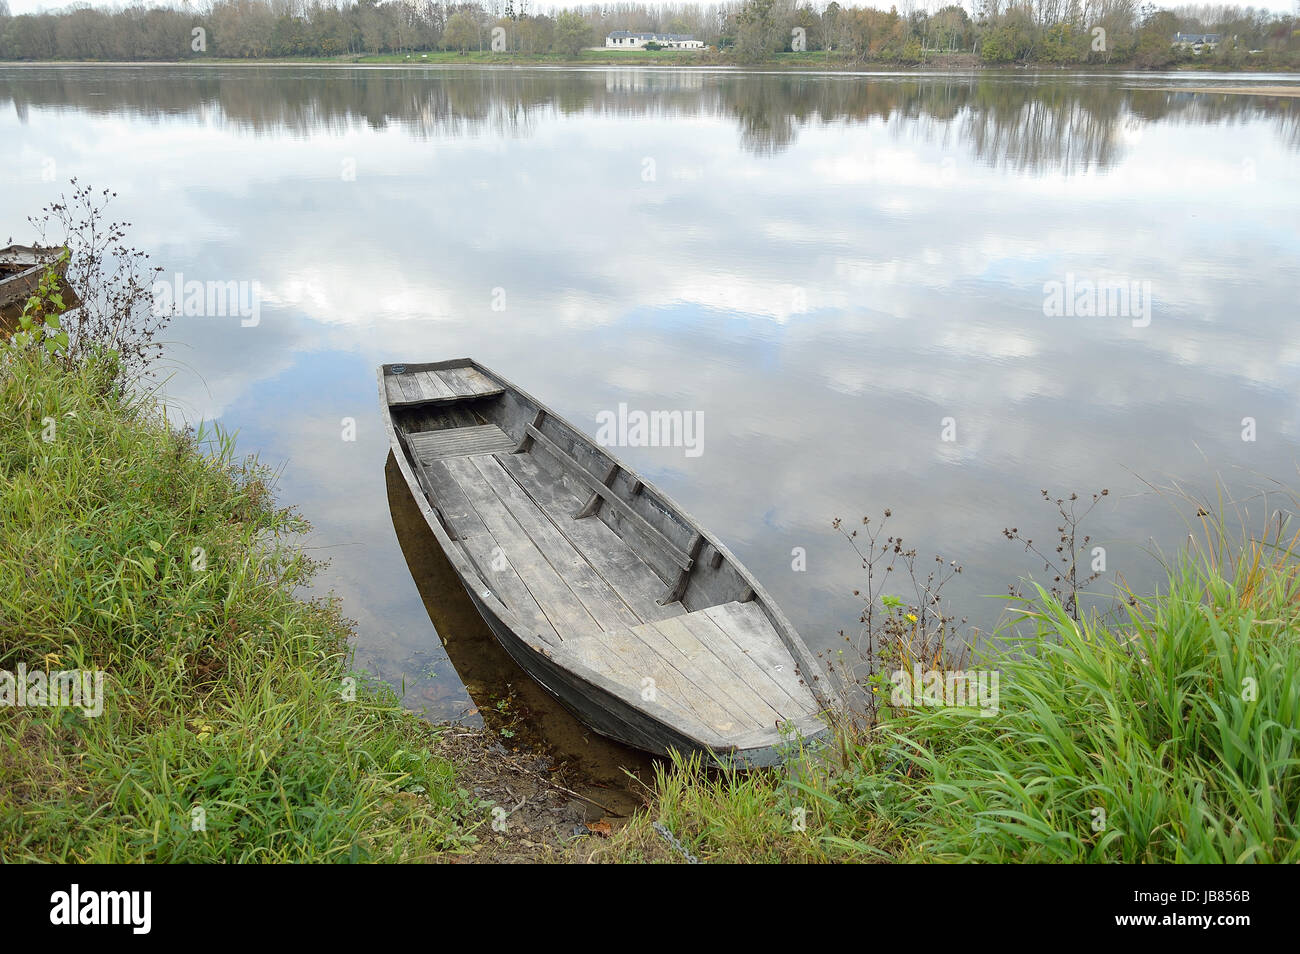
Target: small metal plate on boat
399 369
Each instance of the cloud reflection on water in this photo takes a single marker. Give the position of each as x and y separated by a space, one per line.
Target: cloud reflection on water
825 266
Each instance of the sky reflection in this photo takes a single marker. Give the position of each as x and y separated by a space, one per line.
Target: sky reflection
825 266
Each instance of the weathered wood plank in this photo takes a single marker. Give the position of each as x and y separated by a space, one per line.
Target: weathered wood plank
485 553
660 514
748 627
446 495
487 556
459 442
393 388
410 389
432 386
611 556
593 502
438 417
526 442
719 676
559 457
600 600
622 657
565 611
699 679
467 381
591 652
453 379
422 475
477 379
593 484
742 668
674 593
674 680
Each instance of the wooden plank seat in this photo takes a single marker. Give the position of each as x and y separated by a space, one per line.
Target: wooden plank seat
459 442
417 386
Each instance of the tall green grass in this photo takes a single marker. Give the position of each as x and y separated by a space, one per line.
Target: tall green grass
1173 738
1170 735
159 558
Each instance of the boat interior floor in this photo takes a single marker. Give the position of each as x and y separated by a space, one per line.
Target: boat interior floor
584 592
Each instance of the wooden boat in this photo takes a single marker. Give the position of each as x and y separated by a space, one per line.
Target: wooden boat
21 268
600 587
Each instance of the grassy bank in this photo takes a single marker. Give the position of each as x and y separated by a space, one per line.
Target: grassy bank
159 559
813 60
1172 735
227 733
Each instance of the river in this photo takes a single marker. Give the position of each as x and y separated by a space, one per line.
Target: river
873 289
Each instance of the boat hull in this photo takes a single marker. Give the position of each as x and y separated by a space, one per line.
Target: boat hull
605 713
611 708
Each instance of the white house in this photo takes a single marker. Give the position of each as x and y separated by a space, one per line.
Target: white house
626 40
1197 42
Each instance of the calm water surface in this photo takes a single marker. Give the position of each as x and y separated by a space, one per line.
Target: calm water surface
826 266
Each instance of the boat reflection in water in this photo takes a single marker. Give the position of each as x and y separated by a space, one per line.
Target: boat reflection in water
506 697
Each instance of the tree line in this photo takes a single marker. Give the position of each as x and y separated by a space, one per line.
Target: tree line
1098 32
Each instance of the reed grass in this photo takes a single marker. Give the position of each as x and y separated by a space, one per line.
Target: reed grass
161 559
1170 733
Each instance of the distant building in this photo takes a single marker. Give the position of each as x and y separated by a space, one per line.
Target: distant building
626 40
1197 42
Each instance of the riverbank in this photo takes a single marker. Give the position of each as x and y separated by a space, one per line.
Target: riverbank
1166 736
818 61
227 725
1288 92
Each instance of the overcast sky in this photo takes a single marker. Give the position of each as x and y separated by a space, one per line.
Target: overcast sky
31 6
